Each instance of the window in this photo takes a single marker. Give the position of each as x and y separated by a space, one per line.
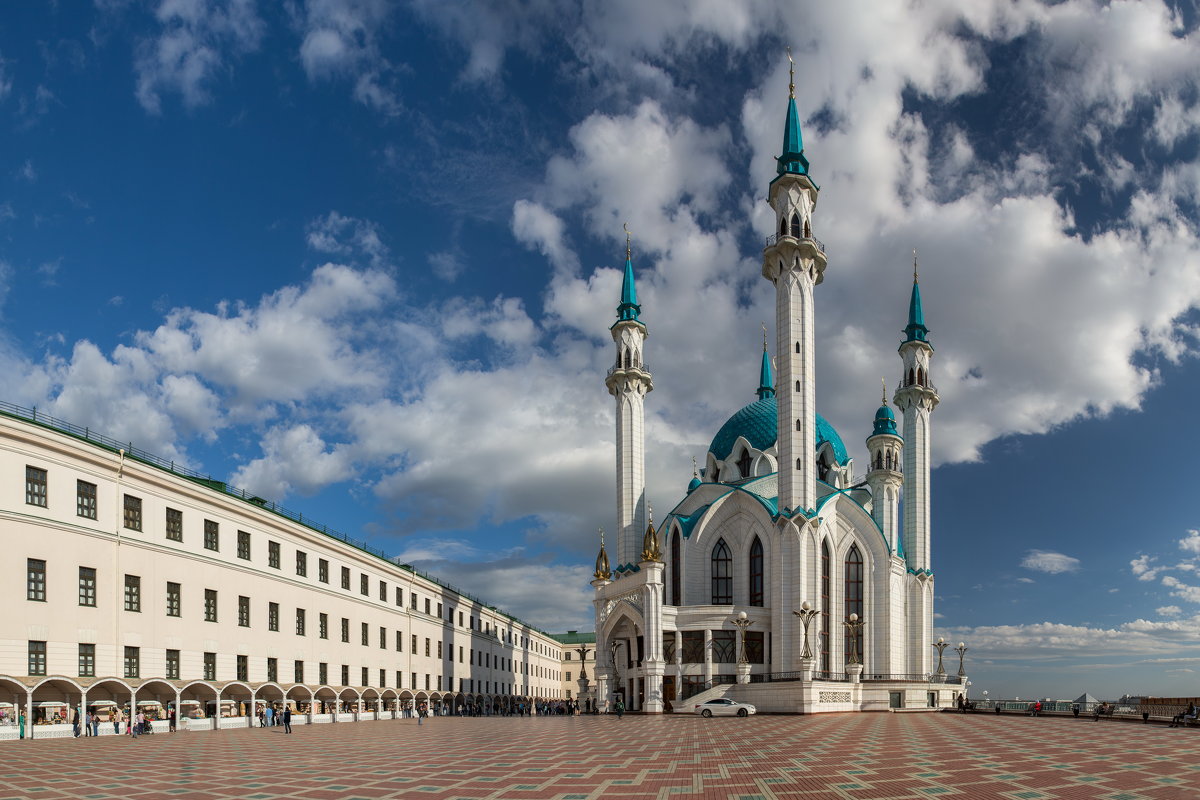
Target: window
243 611
243 668
744 464
399 597
413 600
382 678
272 616
568 676
273 555
87 586
85 499
133 662
439 610
346 578
322 673
302 563
174 599
399 679
382 638
173 665
756 572
754 647
427 648
37 658
273 670
87 660
133 593
174 525
35 486
212 535
323 570
345 630
366 678
414 680
345 675
298 672
210 666
243 547
825 606
676 587
439 644
668 647
364 585
722 574
383 591
414 644
323 626
399 641
426 605
693 647
854 600
366 634
210 605
300 621
133 512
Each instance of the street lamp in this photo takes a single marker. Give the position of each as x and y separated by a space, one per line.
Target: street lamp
962 651
941 644
583 652
613 647
742 622
806 614
854 626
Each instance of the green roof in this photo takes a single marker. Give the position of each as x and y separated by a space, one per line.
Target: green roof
574 637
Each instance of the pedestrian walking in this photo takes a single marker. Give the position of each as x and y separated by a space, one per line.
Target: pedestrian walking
619 708
75 723
21 723
87 724
287 719
116 721
171 720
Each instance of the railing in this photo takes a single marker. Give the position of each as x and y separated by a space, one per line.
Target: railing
693 689
953 680
136 453
775 237
640 367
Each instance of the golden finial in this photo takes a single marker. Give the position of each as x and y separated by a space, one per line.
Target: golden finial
628 249
791 75
650 512
764 327
914 265
651 550
884 382
602 538
695 471
602 573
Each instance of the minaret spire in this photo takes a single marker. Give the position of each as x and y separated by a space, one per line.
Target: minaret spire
915 331
629 382
766 379
793 160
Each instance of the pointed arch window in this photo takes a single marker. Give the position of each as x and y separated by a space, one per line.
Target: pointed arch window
744 465
798 386
807 230
798 425
756 573
675 588
854 596
722 574
825 606
795 231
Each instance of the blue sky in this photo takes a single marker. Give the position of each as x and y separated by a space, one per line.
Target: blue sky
361 258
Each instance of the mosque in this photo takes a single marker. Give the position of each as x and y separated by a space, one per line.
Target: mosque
782 578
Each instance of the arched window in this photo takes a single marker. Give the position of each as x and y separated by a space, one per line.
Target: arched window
795 226
722 575
912 377
822 468
756 573
923 377
889 459
797 347
825 606
854 596
797 386
716 474
744 464
798 425
675 590
782 226
799 464
807 230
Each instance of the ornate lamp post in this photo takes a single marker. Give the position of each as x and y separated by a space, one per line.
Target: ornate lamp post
854 626
941 644
583 654
962 651
742 622
806 614
613 647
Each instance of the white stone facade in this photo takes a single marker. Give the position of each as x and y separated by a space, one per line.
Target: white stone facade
123 574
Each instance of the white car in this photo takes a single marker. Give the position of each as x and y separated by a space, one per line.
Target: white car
723 705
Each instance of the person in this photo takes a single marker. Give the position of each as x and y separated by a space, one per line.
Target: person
116 721
21 724
1184 717
668 708
1075 710
619 708
270 714
962 705
87 724
1101 710
287 719
171 720
421 714
75 723
95 724
1036 708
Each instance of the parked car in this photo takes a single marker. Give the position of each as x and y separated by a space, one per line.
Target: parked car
723 705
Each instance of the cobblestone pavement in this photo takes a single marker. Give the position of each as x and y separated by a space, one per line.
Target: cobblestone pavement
817 757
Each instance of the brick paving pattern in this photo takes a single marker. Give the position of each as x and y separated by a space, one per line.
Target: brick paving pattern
842 756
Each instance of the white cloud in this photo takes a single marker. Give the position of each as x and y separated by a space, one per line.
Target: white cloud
1025 580
446 264
294 458
1181 590
1168 611
340 39
335 234
1142 569
27 172
1049 562
1191 542
197 40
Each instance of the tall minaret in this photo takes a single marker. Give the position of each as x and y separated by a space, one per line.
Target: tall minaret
794 262
884 448
629 382
916 398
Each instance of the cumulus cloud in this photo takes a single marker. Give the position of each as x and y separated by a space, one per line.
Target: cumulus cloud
294 458
340 40
1168 611
1049 562
197 41
335 234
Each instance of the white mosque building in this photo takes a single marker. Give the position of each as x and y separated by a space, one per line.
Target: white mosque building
782 578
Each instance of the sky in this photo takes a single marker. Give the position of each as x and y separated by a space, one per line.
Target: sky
361 258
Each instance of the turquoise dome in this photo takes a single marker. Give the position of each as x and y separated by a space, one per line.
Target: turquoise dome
759 424
885 421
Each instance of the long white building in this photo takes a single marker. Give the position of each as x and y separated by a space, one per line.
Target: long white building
131 581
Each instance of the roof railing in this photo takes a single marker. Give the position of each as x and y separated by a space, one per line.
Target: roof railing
88 435
775 237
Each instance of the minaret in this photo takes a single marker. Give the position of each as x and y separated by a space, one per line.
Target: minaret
884 448
916 398
766 380
794 262
629 382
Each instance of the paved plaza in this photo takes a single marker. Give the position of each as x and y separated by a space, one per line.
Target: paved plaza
816 757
